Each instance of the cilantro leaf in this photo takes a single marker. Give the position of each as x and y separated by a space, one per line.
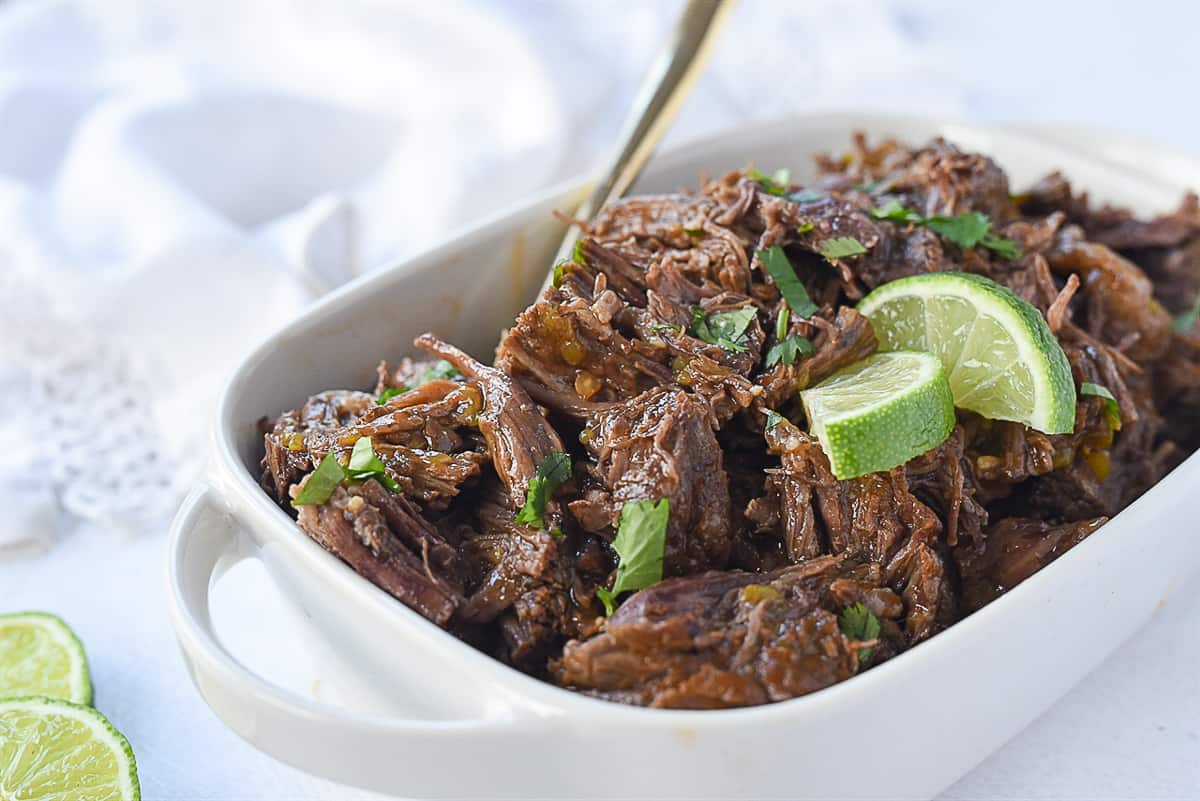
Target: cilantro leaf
1112 409
640 544
776 184
364 464
895 211
786 351
321 483
965 230
840 247
388 394
1002 246
805 227
560 270
781 323
722 328
874 187
775 262
1184 321
440 369
577 254
803 196
859 623
774 418
554 470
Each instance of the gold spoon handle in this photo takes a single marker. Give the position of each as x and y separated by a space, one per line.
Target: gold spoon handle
671 77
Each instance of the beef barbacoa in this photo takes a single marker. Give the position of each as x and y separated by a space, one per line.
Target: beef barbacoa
775 578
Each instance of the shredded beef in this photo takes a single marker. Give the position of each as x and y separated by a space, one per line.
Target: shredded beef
766 554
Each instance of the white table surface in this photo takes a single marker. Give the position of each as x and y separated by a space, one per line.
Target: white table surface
1131 730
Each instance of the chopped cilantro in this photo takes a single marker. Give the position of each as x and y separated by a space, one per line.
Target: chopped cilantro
439 369
321 483
895 211
786 351
776 184
775 262
859 623
389 393
1184 321
965 230
560 270
805 227
774 418
840 247
1111 409
874 187
364 464
1002 246
551 473
577 254
722 328
695 233
781 323
640 544
803 196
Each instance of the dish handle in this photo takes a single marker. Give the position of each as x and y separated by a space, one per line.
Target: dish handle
318 738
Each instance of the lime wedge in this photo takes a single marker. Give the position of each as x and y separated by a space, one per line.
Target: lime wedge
1003 361
881 412
40 655
51 749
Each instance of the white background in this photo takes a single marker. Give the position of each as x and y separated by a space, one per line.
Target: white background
175 179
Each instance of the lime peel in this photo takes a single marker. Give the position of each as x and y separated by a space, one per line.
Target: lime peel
41 656
880 412
54 748
1002 359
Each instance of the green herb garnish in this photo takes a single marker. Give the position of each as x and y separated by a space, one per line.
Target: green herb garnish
559 272
554 470
389 393
895 211
440 369
695 233
640 544
781 323
775 262
722 328
805 227
364 464
788 350
840 247
320 485
1112 410
774 418
806 196
577 254
859 623
776 184
965 230
1184 321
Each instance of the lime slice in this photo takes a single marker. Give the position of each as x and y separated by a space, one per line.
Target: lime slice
51 749
1003 361
40 655
881 412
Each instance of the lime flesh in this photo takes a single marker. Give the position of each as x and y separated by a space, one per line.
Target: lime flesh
880 412
1002 360
40 655
52 749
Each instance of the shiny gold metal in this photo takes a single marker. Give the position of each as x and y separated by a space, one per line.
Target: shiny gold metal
671 77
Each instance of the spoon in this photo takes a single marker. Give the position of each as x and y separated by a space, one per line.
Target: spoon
659 99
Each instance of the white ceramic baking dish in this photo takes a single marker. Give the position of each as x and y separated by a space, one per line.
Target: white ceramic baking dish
471 727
